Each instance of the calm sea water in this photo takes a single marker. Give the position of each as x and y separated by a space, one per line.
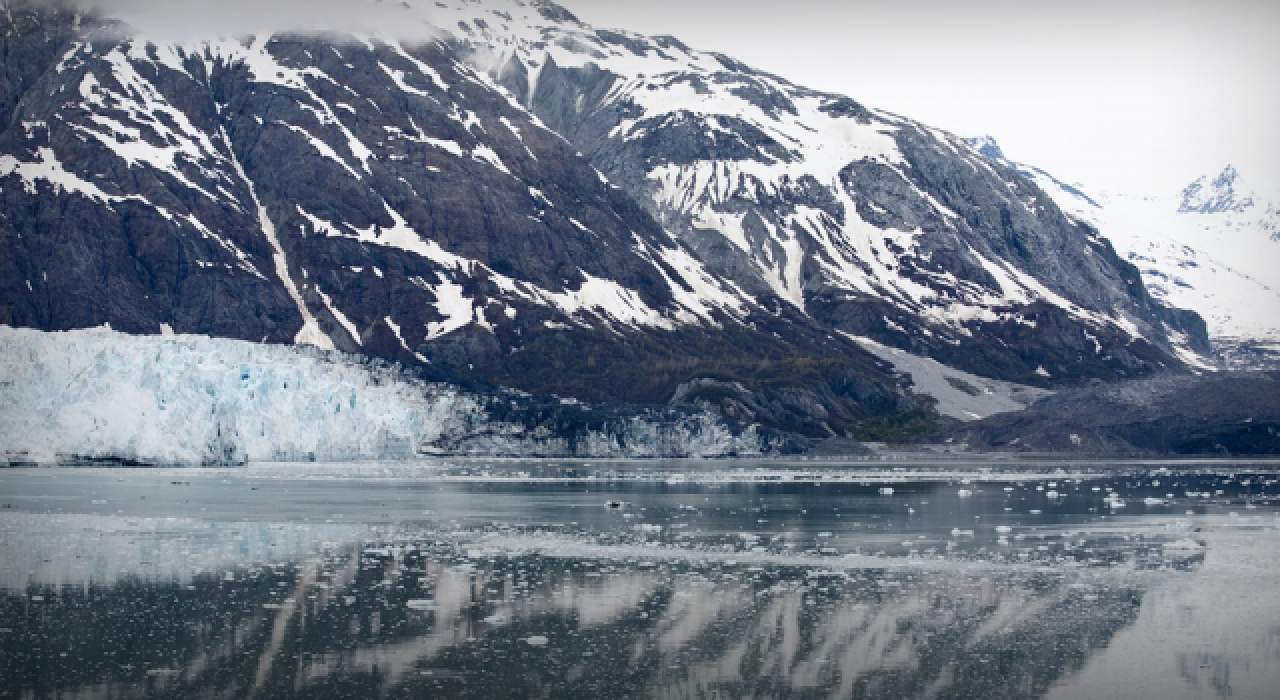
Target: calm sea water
570 579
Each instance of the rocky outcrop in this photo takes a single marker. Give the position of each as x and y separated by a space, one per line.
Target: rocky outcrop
1228 413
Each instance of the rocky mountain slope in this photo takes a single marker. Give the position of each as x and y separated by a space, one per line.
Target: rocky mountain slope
1213 248
871 223
531 203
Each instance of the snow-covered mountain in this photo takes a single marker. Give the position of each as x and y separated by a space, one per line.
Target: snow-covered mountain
1212 248
532 203
372 196
874 224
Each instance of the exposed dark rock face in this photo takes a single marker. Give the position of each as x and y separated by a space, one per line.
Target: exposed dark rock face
1230 413
373 197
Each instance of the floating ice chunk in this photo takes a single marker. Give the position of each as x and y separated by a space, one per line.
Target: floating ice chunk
1153 501
1003 528
537 640
957 532
421 604
964 493
886 490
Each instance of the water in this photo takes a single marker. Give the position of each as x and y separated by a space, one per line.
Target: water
551 578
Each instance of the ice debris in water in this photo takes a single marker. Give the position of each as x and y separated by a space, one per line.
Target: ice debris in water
537 640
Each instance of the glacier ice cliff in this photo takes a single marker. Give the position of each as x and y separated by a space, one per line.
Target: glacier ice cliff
101 396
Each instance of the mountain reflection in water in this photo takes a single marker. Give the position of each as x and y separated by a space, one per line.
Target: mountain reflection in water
101 605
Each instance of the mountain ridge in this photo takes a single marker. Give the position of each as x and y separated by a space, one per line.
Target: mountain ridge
397 199
373 198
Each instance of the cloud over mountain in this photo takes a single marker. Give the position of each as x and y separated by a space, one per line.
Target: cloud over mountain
179 20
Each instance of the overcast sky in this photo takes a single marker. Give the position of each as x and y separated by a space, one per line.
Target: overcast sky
1136 95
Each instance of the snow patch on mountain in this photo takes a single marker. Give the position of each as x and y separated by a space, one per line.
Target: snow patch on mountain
960 395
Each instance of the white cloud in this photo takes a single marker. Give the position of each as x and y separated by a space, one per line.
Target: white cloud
179 20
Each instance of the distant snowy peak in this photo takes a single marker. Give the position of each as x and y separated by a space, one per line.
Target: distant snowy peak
1216 196
1230 203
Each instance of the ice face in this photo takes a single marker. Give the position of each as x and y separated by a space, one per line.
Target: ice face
97 394
198 400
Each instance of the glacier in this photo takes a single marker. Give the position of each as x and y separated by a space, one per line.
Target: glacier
100 396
